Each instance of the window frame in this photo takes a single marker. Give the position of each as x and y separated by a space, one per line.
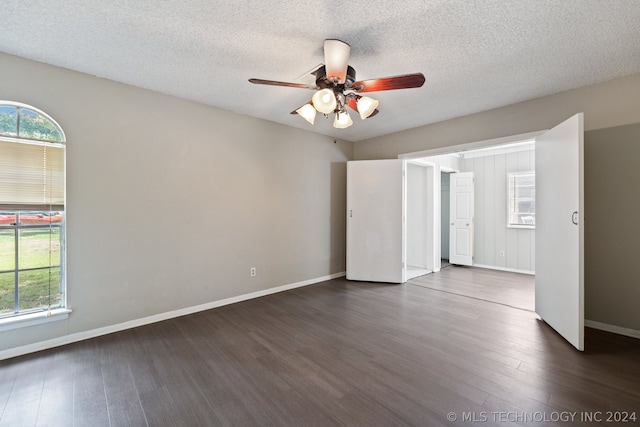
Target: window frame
511 197
18 228
19 106
58 311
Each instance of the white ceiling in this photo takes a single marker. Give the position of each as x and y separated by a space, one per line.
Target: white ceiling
475 54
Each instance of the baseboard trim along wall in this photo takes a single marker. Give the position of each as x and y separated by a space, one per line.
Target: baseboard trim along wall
80 336
510 270
633 333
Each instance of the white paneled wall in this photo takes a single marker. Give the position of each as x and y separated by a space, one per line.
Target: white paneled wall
445 187
419 233
496 245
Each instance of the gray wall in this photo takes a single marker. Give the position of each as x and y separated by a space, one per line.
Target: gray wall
611 293
612 229
612 103
170 202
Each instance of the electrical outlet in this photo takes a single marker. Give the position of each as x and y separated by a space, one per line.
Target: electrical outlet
501 254
253 272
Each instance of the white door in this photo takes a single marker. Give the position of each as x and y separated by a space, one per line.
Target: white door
375 220
461 213
559 281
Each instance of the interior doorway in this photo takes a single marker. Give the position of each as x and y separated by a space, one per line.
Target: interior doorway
559 302
558 220
497 244
419 216
507 276
445 217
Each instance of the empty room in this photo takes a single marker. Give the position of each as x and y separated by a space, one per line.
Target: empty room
205 215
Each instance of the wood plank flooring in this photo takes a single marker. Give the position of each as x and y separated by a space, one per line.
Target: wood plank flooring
335 353
507 288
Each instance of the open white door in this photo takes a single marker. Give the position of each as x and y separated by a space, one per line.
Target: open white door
375 220
559 281
461 213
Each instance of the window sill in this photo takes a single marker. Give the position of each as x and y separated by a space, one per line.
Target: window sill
31 319
526 227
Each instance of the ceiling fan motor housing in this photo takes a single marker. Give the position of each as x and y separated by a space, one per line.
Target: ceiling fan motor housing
323 82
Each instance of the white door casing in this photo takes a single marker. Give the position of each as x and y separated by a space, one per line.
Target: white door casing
376 220
559 281
462 216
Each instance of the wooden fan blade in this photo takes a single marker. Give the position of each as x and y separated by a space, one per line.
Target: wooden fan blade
405 81
353 104
286 84
336 59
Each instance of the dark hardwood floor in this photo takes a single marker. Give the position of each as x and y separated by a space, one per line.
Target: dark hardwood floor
335 353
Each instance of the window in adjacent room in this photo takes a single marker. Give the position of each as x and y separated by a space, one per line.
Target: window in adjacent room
32 217
522 200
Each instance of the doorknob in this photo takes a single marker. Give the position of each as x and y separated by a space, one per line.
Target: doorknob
574 217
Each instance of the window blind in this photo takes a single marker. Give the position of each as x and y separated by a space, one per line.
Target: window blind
31 176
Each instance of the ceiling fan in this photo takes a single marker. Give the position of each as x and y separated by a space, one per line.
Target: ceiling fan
336 87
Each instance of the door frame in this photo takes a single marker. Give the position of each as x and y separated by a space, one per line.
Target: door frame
453 149
428 255
439 202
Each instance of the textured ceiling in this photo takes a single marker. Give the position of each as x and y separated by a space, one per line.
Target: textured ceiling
475 54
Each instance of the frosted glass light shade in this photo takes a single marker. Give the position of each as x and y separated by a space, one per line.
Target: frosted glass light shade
336 58
366 106
342 120
308 112
324 101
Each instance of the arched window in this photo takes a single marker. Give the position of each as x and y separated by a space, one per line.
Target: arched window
25 122
32 220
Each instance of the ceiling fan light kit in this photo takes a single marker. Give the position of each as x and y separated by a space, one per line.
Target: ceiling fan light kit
308 112
366 106
336 87
342 120
324 101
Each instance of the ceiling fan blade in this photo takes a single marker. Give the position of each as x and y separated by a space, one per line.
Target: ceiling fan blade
353 104
336 59
405 81
286 84
311 72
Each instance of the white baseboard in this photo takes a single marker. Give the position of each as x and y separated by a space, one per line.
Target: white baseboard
633 333
80 336
511 270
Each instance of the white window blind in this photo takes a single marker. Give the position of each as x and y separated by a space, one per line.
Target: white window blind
31 176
